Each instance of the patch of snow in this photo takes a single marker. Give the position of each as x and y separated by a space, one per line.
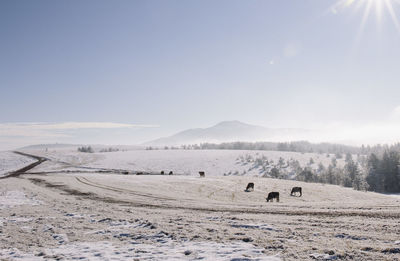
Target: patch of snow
20 220
15 254
323 256
168 251
9 199
395 195
254 226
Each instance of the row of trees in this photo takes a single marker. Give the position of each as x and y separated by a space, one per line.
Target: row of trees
380 173
295 146
87 149
376 168
383 172
351 175
110 149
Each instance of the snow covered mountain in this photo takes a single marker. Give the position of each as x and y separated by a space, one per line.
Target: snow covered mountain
228 131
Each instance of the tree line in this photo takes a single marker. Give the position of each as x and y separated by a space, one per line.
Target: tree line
295 146
373 168
377 172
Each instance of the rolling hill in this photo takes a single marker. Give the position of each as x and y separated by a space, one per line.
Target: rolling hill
228 131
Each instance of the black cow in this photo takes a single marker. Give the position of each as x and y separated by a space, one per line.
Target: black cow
202 174
162 172
250 187
273 195
295 190
171 173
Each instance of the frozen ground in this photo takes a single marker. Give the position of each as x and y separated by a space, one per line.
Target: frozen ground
187 162
10 161
97 216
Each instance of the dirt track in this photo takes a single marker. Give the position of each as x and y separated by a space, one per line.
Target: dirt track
16 173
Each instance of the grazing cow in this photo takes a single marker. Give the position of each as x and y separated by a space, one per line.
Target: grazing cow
162 172
250 187
273 195
294 190
202 174
171 173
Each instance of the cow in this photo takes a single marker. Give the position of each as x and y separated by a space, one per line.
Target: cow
250 187
273 195
202 174
294 190
170 173
162 172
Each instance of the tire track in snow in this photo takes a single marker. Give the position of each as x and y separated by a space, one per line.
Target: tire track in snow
102 186
376 213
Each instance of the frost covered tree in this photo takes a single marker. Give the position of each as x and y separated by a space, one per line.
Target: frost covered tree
311 161
334 162
274 173
384 173
330 175
87 149
348 157
351 171
322 177
374 176
307 175
390 169
281 162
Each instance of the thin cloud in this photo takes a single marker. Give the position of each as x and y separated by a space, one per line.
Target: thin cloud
72 125
28 132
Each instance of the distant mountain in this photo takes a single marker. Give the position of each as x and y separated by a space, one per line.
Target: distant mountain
228 131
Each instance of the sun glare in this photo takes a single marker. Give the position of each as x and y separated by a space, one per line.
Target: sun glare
379 7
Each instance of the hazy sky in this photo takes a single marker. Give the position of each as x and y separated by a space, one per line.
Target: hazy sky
158 67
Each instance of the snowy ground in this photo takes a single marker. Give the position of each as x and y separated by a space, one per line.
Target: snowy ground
187 162
97 216
10 161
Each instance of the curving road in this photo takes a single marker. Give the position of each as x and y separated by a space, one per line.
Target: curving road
18 172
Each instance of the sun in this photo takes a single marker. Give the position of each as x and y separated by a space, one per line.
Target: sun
379 7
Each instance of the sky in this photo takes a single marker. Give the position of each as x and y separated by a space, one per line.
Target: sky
124 72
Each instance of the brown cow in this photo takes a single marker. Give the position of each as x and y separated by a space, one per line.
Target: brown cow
294 190
273 195
250 187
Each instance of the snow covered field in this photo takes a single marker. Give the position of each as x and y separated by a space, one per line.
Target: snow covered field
88 215
187 162
10 161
